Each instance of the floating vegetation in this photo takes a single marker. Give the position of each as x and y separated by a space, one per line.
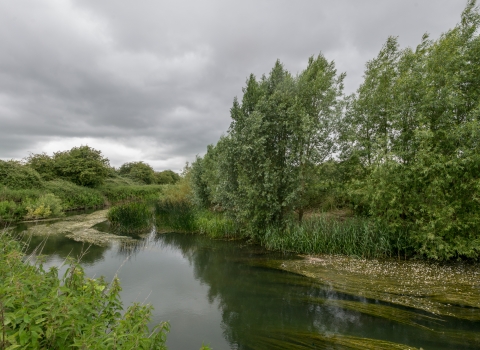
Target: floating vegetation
446 290
284 339
79 228
396 314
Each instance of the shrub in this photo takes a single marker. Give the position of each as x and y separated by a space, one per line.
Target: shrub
74 196
138 171
82 165
39 311
46 206
120 193
14 175
43 164
7 210
166 177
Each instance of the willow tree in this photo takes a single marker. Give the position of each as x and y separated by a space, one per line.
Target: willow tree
281 129
415 126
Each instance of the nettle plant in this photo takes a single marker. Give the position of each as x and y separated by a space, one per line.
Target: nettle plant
40 311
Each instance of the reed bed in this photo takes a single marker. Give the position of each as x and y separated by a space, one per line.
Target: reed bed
321 235
182 216
133 217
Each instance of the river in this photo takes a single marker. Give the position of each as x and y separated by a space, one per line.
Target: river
223 293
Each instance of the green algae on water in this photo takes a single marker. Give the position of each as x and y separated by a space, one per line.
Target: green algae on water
447 290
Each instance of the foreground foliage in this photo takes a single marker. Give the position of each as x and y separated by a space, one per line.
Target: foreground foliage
39 310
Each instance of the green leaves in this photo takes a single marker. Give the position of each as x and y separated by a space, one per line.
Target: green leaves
37 311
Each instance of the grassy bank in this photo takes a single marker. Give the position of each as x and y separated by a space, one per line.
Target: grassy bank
15 204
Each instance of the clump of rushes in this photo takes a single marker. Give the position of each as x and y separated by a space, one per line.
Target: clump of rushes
215 225
320 235
133 217
175 215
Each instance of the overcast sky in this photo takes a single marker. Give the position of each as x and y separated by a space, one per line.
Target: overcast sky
154 80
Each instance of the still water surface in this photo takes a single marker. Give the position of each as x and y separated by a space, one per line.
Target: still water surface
220 293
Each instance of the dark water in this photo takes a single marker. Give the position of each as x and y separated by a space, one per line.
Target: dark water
217 292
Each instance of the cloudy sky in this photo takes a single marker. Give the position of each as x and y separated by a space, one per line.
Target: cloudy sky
154 80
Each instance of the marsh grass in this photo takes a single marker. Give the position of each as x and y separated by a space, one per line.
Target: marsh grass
133 217
183 217
321 235
215 225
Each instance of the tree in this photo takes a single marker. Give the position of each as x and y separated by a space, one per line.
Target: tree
43 164
138 171
166 177
262 170
82 165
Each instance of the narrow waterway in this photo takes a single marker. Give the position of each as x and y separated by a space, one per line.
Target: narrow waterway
221 293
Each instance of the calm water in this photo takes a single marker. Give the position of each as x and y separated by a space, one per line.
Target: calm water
216 292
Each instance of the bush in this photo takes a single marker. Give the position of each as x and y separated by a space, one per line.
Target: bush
7 210
166 177
43 164
74 196
46 206
138 171
39 311
14 175
82 165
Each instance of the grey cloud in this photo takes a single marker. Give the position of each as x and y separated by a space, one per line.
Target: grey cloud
159 76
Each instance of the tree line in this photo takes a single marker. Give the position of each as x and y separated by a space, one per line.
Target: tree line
403 150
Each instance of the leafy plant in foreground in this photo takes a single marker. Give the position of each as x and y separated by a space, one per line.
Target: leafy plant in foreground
39 310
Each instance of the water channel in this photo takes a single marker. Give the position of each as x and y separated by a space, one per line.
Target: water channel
223 294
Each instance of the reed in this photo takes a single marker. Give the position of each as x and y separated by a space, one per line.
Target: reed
320 235
133 217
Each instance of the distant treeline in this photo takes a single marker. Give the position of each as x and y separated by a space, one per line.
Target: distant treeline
403 151
43 186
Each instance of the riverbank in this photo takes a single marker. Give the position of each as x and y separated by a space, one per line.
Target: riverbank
56 197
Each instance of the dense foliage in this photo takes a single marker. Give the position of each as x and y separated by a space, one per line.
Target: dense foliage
16 176
84 166
262 171
404 151
40 311
138 171
133 217
166 177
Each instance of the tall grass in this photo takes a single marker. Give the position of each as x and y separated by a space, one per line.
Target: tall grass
74 196
320 235
132 217
115 193
184 217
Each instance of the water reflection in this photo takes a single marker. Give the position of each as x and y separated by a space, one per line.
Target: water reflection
59 247
225 294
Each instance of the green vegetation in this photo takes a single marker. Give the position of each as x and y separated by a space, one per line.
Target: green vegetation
138 171
16 176
175 211
132 217
82 165
39 311
320 235
403 153
166 177
45 186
